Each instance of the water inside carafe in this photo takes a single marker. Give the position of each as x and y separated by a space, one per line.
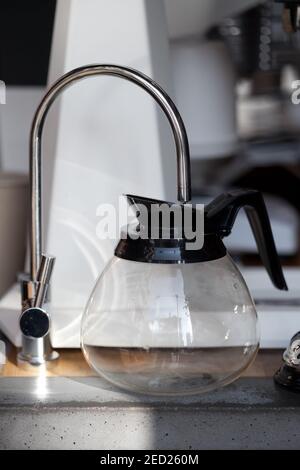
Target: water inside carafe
169 370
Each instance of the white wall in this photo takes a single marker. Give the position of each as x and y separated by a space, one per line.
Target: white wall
15 121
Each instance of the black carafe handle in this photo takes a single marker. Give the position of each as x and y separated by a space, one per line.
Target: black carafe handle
221 214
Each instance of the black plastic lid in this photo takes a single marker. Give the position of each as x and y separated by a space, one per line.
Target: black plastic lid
169 251
170 243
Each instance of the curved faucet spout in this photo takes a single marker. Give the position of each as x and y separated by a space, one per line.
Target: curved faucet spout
164 101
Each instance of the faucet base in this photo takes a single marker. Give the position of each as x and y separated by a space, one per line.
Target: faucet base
37 351
36 361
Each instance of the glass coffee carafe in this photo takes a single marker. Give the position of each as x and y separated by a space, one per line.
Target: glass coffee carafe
166 320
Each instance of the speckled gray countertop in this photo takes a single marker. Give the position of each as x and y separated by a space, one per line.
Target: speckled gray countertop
87 413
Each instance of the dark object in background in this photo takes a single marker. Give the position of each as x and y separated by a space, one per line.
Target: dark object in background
281 181
288 376
278 180
25 40
290 15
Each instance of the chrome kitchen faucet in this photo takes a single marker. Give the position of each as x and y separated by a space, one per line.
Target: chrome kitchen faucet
34 320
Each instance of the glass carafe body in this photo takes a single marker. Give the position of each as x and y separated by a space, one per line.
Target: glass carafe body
170 329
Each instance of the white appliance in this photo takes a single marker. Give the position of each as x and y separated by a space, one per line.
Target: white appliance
104 137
